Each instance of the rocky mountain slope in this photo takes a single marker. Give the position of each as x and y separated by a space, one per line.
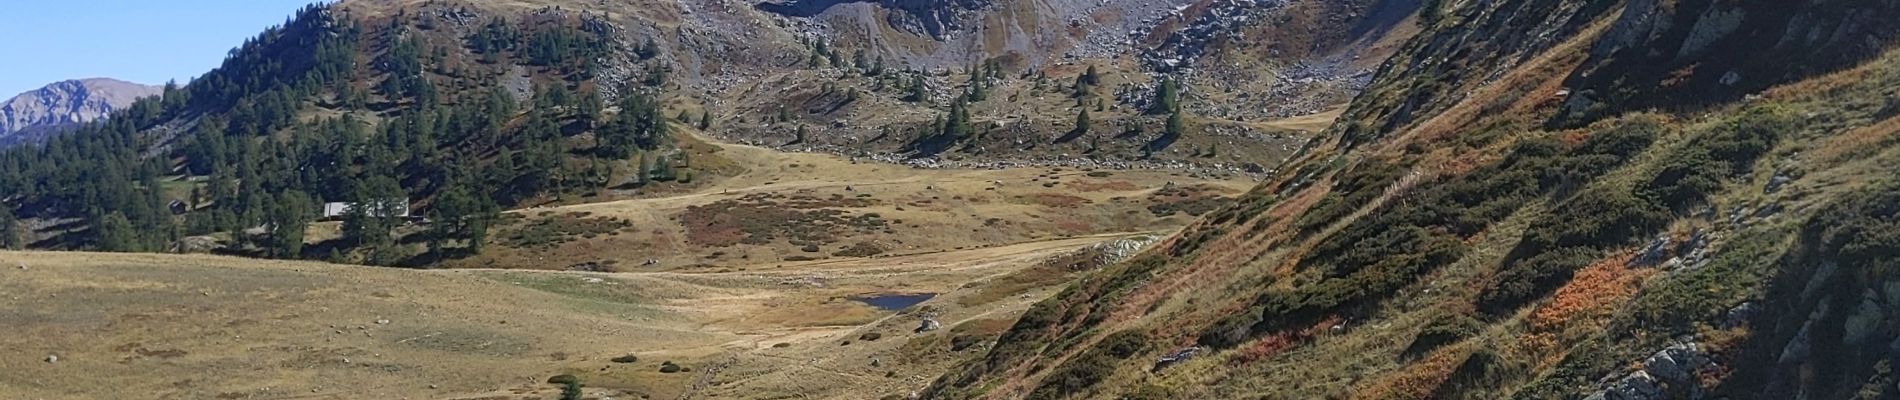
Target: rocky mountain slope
569 101
26 116
1533 199
1629 199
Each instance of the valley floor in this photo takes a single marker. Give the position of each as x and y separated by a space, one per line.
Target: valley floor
743 309
187 327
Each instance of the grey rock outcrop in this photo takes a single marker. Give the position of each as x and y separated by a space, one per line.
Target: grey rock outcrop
35 114
1670 370
934 18
1177 357
927 325
1676 363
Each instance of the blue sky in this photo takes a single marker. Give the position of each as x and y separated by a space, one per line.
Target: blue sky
144 41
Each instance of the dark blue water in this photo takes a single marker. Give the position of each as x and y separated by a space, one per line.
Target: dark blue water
894 301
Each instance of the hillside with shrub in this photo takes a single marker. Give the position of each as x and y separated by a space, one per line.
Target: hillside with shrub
1534 199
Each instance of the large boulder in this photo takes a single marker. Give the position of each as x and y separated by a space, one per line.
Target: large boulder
928 325
1675 364
1177 357
1638 385
1740 314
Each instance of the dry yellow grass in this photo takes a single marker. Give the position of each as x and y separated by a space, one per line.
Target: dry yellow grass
1308 123
156 326
169 326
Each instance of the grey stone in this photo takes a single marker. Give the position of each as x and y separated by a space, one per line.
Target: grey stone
1653 253
1775 183
1739 315
1177 357
1714 24
1676 363
1638 385
1798 348
928 325
1863 320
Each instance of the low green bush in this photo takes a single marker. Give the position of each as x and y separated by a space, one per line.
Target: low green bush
1696 170
1091 367
1443 330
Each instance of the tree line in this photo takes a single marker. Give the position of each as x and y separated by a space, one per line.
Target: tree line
238 150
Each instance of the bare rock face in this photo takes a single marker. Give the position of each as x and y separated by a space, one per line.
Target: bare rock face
33 114
934 17
1731 50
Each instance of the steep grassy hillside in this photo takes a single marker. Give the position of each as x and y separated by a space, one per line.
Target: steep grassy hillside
1521 206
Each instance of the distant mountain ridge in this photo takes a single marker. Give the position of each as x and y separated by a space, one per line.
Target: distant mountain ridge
64 103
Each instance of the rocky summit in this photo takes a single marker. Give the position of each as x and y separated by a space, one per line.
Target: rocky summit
27 116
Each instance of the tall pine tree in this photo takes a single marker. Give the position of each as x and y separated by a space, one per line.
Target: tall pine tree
1167 97
289 216
114 232
1082 121
12 232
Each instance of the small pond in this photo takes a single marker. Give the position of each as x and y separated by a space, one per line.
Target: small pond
893 301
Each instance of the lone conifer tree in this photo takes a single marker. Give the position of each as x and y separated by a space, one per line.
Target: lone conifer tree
11 237
288 217
1082 121
571 390
1167 97
917 90
1175 125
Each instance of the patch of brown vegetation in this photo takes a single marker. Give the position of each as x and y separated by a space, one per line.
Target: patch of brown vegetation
1267 347
548 230
1584 304
1057 200
1192 200
1858 142
1098 186
1047 273
1418 380
759 219
1589 294
861 249
1073 226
